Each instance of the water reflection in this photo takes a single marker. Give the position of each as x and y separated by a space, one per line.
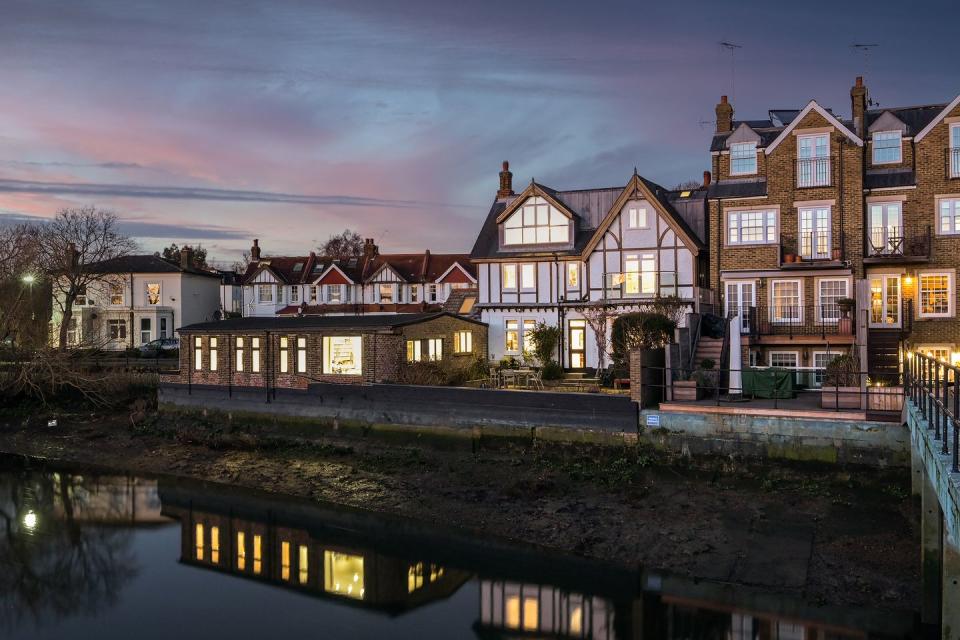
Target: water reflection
68 548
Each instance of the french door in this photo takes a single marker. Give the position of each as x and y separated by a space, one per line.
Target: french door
815 233
577 341
886 228
740 296
885 304
813 163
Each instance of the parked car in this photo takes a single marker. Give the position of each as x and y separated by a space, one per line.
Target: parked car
160 346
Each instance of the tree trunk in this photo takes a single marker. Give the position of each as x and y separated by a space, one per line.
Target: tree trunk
65 321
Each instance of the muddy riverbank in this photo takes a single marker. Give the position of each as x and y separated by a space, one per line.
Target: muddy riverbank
830 535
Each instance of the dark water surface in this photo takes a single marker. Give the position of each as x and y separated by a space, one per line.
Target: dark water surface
88 555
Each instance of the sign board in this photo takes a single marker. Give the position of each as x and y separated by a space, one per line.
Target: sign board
653 419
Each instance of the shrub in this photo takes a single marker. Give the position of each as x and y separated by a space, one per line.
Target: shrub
545 339
639 330
551 371
707 364
131 352
509 363
842 371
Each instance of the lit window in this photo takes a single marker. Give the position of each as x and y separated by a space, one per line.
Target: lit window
743 158
153 293
198 541
829 292
255 355
215 545
949 219
414 351
301 355
414 293
528 327
463 342
386 293
786 301
512 336
284 354
637 218
528 276
509 277
241 551
936 294
414 577
303 567
573 275
528 618
751 227
239 354
342 355
784 359
886 147
536 222
257 554
213 354
265 293
435 349
640 276
116 293
198 353
343 574
284 560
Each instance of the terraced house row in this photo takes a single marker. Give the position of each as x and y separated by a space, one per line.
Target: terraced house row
817 231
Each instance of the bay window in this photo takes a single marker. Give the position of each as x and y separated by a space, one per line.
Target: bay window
743 158
936 294
343 355
751 227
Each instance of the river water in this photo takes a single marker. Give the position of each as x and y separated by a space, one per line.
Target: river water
89 555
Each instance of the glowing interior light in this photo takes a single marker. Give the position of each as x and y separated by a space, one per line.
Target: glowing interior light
30 520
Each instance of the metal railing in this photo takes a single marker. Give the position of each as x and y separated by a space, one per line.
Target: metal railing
931 385
814 172
953 162
814 245
893 242
796 320
645 284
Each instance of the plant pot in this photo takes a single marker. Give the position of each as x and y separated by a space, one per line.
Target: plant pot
789 257
686 390
840 397
845 325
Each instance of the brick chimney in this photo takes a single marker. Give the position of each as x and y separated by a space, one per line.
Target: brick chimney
255 250
706 179
506 182
724 111
186 257
73 257
370 249
425 266
858 100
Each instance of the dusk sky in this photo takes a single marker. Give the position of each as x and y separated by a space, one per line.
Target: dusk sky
217 122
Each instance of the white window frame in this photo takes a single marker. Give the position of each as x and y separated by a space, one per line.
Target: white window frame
432 292
463 341
117 291
148 331
814 174
434 349
146 293
357 352
414 293
294 294
795 354
924 348
512 269
951 295
954 202
525 223
815 229
506 334
733 157
526 334
261 288
773 307
389 287
899 147
528 269
820 316
638 217
820 373
953 143
573 276
770 235
333 293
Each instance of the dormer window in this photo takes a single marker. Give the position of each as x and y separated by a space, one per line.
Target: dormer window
743 158
886 147
536 222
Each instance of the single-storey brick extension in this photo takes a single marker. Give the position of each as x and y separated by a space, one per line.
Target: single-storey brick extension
291 352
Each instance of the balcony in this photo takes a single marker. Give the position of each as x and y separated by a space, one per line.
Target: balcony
796 320
812 249
953 162
814 172
894 245
638 285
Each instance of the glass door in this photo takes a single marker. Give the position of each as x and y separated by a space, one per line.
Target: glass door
813 164
886 229
738 300
815 233
577 330
885 301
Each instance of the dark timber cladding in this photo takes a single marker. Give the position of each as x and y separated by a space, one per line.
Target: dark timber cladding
291 352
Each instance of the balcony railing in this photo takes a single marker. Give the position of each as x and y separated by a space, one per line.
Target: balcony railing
810 246
796 320
645 284
895 244
953 162
814 172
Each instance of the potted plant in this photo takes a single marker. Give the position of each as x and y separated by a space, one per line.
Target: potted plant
846 322
789 250
841 383
687 388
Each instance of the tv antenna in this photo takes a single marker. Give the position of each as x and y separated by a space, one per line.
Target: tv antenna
732 48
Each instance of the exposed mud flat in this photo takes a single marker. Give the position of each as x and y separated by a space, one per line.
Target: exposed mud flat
827 534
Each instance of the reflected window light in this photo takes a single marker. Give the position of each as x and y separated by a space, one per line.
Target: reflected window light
531 614
576 620
198 540
285 560
215 545
303 567
241 551
512 612
414 577
257 548
343 574
30 520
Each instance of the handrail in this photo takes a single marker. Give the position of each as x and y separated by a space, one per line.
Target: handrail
931 386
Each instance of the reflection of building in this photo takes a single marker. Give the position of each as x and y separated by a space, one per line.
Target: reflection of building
113 500
542 609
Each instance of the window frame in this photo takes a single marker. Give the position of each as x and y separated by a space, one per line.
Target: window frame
214 351
953 146
954 217
357 353
740 242
294 294
528 268
121 329
386 286
874 147
951 293
819 298
751 144
460 337
531 223
146 293
773 307
148 331
301 354
783 352
197 353
238 353
815 228
526 341
260 297
117 291
507 330
284 349
504 270
434 349
573 269
633 217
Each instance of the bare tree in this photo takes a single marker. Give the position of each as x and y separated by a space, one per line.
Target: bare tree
347 244
67 247
240 266
18 274
598 316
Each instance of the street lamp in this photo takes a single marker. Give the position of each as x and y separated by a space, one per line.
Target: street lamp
28 280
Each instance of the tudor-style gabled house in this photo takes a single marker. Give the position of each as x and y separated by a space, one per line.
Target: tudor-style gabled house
369 283
543 255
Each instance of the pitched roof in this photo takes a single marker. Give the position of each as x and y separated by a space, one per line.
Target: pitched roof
771 128
938 117
889 178
423 267
915 118
746 188
145 263
316 323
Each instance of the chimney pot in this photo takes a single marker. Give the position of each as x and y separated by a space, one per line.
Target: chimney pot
506 182
724 112
706 178
186 257
255 250
723 99
859 81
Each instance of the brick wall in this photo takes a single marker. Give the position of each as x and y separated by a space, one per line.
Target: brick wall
445 327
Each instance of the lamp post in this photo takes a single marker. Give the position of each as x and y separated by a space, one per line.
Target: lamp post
29 280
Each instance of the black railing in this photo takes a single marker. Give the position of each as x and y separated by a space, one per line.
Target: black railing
895 243
931 385
814 245
799 320
814 172
953 162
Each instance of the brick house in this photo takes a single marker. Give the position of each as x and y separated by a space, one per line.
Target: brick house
369 283
291 352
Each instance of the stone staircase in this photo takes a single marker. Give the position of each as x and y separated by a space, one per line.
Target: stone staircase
708 348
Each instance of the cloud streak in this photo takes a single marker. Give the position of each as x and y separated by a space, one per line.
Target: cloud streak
145 229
